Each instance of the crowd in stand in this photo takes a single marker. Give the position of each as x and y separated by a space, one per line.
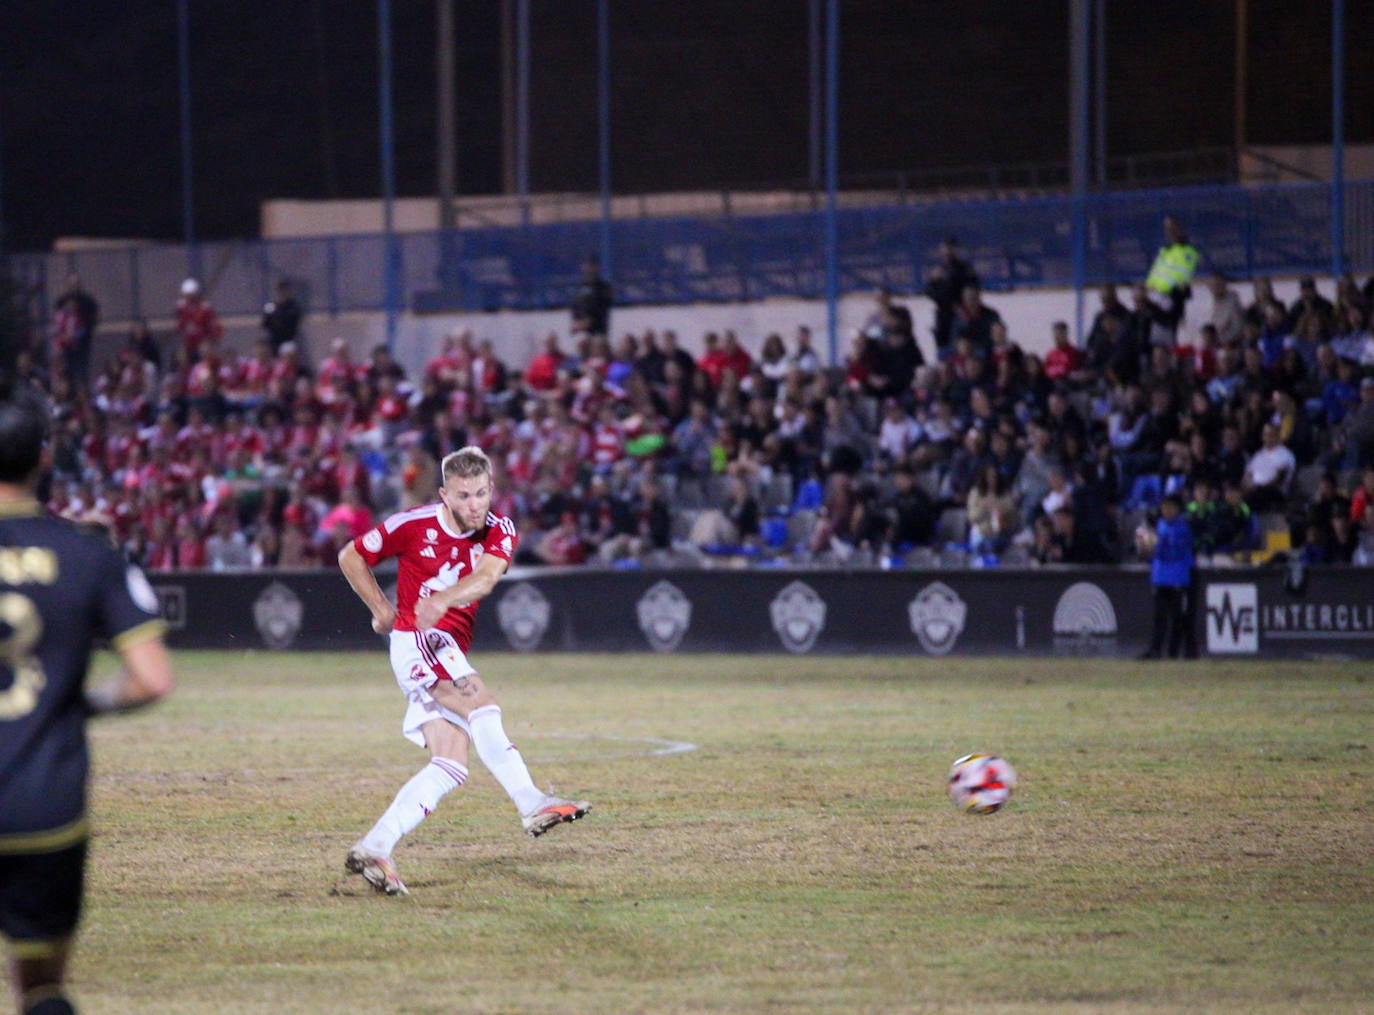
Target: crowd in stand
631 449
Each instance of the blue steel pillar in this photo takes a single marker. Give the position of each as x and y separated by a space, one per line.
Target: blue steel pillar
832 176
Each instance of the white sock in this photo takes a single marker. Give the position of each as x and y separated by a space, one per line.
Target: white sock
416 800
502 758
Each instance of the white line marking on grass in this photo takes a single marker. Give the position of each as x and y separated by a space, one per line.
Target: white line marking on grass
659 747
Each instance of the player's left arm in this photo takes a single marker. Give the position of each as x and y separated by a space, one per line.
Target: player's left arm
475 586
128 609
145 678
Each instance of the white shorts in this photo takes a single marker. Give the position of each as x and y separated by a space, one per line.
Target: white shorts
419 659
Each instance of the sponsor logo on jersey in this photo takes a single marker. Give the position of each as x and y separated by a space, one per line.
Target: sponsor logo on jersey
277 612
428 551
523 613
798 615
665 614
372 541
140 591
937 617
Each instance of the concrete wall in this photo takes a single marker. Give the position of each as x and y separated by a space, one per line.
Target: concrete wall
516 334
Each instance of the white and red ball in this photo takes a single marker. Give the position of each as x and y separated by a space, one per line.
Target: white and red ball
981 783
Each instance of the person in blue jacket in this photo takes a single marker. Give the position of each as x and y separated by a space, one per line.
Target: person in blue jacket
1171 574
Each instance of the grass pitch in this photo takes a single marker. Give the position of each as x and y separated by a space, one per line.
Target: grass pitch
1185 838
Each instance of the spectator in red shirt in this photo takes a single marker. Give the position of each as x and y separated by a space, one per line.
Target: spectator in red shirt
447 365
489 374
288 366
592 394
255 375
562 544
1202 357
391 410
608 439
1363 496
190 547
861 362
160 550
1065 359
714 359
737 358
351 474
212 373
196 320
541 376
336 381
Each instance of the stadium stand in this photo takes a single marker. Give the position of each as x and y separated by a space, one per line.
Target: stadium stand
632 451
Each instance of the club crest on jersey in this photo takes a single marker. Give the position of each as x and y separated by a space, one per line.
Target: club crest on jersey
277 613
798 616
664 615
524 616
431 535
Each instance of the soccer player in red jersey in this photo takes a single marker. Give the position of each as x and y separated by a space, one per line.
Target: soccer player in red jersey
450 555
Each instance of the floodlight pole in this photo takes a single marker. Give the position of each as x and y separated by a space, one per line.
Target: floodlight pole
447 115
1337 138
387 145
814 108
832 176
188 216
1099 91
515 102
1242 83
522 107
1079 118
603 121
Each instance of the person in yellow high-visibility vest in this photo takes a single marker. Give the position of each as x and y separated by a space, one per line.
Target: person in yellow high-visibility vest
1175 264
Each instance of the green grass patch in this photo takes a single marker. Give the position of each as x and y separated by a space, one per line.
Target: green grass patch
1185 838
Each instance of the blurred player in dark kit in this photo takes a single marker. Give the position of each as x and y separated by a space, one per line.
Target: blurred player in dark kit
62 590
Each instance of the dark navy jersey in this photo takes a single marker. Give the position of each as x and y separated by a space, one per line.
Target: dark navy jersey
62 591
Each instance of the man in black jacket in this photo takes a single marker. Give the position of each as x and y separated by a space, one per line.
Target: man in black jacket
945 284
591 305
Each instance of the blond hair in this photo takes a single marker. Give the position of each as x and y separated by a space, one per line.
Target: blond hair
465 463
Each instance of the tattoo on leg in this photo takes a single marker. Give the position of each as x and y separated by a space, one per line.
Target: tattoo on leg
465 687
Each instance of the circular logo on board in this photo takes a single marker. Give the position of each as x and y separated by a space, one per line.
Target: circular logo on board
277 613
523 613
937 616
664 615
798 615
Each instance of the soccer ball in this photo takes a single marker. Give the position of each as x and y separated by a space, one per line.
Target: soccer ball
981 783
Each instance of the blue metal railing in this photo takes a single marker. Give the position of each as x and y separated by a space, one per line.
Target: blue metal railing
1280 229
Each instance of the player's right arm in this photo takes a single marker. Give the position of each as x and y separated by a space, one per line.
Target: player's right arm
364 583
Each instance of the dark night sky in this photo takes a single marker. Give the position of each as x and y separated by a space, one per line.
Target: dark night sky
707 94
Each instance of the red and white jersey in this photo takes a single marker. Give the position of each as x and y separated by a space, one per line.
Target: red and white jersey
432 556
